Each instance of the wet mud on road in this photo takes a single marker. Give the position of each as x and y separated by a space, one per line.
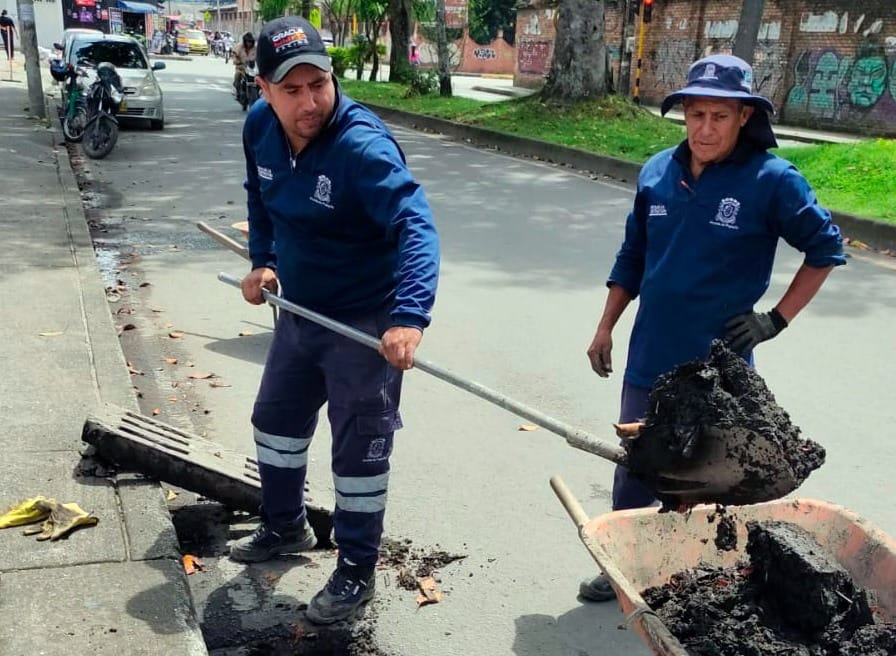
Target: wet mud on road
790 599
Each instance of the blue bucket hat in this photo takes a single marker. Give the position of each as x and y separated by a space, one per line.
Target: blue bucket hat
727 76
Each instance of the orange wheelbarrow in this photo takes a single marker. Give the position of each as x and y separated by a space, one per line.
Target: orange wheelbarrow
638 549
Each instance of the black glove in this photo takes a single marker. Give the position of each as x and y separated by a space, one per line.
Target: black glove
745 331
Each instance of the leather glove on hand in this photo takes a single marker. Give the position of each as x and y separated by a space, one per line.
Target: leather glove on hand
745 331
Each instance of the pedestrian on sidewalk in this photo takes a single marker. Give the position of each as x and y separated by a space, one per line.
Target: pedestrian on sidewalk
9 32
699 247
342 226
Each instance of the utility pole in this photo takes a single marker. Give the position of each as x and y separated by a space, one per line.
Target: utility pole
625 55
36 104
748 29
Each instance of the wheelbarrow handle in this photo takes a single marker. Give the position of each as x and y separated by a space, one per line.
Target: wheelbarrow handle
576 438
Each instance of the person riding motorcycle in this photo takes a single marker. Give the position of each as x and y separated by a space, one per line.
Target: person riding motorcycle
243 52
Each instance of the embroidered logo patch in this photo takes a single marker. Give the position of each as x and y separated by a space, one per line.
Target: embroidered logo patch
291 38
323 191
709 73
658 210
727 214
376 449
265 173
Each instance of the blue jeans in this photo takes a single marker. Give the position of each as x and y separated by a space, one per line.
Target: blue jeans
628 491
307 366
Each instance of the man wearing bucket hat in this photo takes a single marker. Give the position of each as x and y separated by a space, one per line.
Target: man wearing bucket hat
337 220
699 247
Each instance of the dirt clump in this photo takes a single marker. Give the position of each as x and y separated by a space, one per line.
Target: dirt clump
726 529
413 564
791 599
722 392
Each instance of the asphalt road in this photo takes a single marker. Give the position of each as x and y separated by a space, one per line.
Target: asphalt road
526 248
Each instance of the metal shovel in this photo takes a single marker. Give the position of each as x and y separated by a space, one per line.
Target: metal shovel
717 470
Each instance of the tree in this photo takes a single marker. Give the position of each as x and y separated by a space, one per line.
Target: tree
339 16
487 17
400 29
271 9
372 13
444 55
579 67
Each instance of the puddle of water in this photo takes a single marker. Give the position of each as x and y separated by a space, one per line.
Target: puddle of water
109 262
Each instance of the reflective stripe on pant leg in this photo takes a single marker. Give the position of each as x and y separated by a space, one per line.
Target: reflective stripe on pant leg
284 418
363 392
628 491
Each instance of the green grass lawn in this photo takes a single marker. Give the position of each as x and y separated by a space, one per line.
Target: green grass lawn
856 178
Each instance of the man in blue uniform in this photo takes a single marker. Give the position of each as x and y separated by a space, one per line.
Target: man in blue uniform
699 247
337 220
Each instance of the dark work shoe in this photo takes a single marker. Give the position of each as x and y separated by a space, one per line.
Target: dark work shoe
347 590
266 543
597 589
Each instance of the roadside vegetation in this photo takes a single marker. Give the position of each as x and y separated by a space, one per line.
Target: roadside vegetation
858 178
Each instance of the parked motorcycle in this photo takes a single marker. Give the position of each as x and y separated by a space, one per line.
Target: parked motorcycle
248 89
73 111
105 98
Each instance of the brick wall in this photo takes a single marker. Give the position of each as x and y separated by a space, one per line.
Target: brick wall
535 34
467 56
823 63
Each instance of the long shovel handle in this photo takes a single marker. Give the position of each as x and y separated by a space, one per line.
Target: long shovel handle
575 437
224 240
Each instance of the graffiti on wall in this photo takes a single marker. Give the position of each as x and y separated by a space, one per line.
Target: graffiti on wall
828 85
533 56
831 22
671 61
485 53
768 67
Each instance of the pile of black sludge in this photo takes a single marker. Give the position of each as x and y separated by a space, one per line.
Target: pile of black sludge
791 599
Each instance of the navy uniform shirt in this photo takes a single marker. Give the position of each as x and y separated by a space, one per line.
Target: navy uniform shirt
700 252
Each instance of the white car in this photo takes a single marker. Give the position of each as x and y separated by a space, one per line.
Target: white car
143 95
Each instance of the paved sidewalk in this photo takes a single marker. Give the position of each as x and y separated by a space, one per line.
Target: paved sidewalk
116 589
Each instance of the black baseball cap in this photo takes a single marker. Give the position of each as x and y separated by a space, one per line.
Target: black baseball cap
286 42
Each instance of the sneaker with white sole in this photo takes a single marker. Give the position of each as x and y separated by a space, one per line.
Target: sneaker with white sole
265 543
348 589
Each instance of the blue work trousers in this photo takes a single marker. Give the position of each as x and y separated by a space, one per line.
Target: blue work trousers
628 491
307 366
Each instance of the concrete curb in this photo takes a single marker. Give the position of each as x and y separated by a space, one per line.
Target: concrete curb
876 234
147 524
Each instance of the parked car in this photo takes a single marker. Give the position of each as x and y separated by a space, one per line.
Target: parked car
197 42
143 95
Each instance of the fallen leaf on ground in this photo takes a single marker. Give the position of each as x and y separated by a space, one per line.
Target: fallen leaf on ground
174 383
134 372
145 284
51 333
201 375
157 309
170 495
175 334
862 246
171 360
528 427
246 333
169 325
219 383
172 398
429 592
192 564
129 326
155 411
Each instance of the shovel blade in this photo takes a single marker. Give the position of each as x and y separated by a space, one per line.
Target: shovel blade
732 466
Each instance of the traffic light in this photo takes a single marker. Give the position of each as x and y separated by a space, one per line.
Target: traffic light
648 10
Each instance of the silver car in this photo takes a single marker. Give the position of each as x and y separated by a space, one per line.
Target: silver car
143 95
